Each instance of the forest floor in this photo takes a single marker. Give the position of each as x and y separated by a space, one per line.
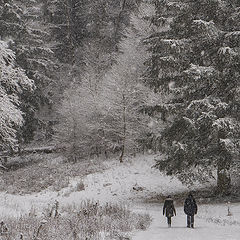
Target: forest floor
133 183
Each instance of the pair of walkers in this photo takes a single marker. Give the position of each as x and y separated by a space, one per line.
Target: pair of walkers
190 209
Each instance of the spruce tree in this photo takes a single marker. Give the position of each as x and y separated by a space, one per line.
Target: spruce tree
13 81
22 24
195 59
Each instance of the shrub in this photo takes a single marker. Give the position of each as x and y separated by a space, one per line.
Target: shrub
80 186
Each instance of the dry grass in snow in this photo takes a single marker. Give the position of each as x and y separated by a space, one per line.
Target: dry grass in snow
36 172
89 220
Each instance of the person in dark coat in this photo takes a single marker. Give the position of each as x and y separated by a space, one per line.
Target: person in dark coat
169 210
190 209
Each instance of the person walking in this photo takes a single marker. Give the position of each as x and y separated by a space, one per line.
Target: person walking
190 209
169 210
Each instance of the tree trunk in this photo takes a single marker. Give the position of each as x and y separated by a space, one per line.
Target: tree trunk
74 147
122 154
223 178
117 25
223 167
124 130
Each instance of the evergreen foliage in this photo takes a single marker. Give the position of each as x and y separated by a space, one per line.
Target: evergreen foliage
75 23
195 58
94 77
22 25
13 81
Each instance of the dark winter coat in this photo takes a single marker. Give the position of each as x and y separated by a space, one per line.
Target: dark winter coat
190 206
168 208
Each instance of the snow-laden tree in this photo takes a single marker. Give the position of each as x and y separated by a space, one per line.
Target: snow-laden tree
79 129
13 81
104 113
22 25
123 101
195 57
123 94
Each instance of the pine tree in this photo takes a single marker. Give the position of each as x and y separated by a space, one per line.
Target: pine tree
195 58
22 24
13 81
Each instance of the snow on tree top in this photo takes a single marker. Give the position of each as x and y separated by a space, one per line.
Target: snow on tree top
175 42
233 38
200 71
235 33
206 28
207 105
227 123
227 50
168 59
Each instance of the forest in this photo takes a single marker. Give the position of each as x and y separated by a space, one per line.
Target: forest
125 77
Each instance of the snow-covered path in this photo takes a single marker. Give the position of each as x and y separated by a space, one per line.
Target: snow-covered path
204 230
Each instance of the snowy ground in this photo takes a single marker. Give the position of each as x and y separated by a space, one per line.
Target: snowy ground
211 223
114 184
117 184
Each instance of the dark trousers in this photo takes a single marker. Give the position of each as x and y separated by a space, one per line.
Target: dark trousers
169 221
190 221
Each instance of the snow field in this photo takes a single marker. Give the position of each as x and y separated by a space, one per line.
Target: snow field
204 229
112 185
116 185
